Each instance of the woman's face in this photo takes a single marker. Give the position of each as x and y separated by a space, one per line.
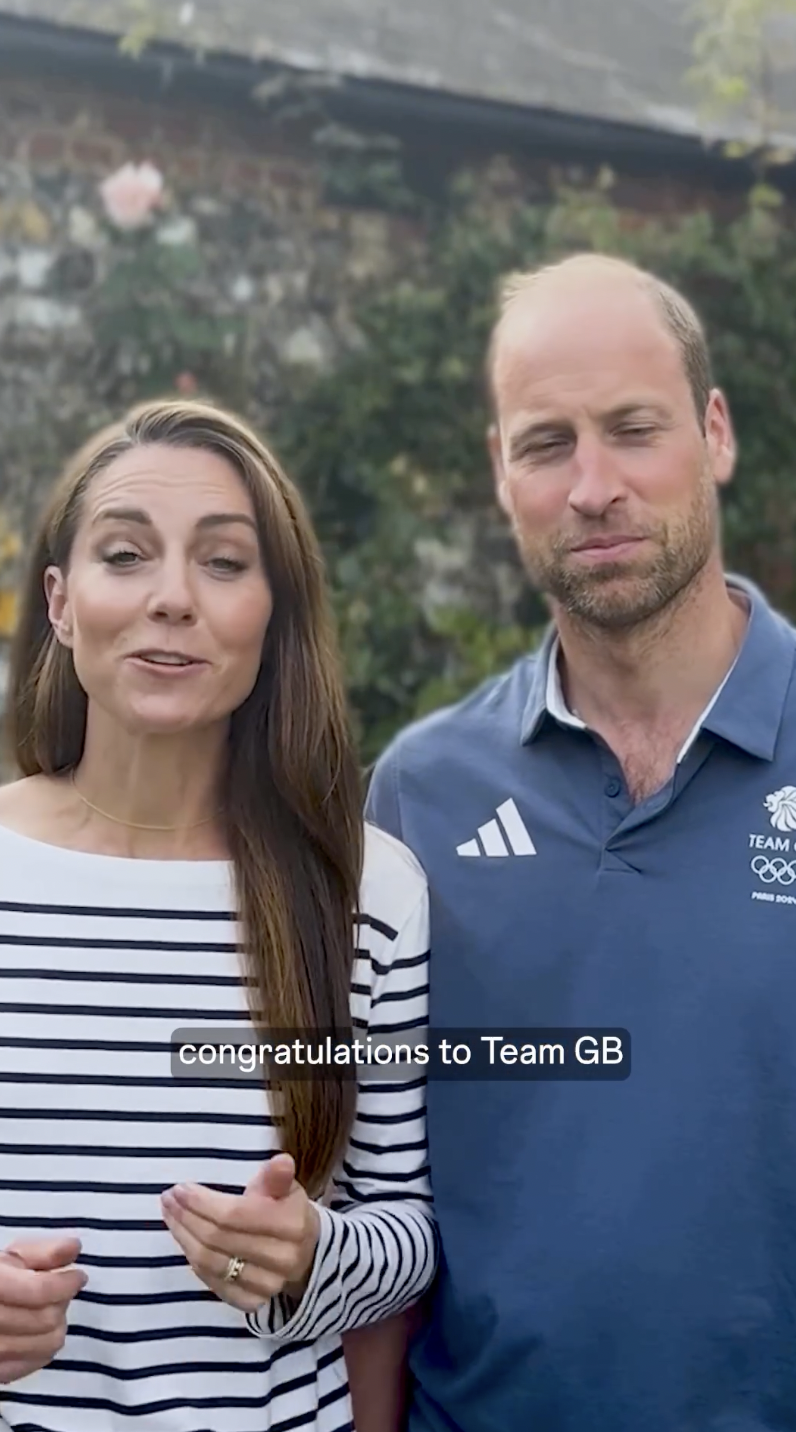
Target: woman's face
165 604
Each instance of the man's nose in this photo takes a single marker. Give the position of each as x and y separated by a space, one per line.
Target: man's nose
596 482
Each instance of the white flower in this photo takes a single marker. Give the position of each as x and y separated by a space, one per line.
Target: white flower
131 194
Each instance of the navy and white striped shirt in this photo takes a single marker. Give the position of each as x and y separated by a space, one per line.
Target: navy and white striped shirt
101 960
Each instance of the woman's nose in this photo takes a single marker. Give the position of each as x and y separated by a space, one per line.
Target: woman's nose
172 597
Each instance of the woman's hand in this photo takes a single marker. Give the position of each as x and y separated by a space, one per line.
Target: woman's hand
38 1281
247 1247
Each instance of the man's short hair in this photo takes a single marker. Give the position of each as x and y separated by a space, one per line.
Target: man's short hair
678 314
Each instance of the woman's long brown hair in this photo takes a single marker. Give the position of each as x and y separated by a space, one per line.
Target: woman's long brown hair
293 795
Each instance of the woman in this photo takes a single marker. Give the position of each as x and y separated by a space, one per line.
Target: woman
185 851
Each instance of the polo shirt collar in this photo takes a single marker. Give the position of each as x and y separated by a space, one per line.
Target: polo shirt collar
747 708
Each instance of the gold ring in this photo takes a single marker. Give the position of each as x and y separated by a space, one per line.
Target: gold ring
235 1267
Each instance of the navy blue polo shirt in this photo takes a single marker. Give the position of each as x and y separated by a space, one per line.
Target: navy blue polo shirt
617 1257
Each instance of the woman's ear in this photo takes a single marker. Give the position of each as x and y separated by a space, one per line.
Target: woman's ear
58 605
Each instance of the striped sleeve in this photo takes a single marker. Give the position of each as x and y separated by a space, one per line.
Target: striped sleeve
377 1250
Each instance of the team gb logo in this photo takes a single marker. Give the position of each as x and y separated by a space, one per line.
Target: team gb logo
782 808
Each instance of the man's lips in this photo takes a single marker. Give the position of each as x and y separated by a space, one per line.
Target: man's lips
606 544
605 550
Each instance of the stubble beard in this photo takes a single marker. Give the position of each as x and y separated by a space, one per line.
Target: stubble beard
618 596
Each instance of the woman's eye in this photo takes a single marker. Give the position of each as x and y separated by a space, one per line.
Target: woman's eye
122 558
227 564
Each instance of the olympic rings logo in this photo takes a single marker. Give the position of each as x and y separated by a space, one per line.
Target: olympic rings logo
774 871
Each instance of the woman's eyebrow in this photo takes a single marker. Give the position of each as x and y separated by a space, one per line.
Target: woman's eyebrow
136 514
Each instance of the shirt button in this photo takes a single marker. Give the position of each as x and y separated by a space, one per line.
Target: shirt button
613 787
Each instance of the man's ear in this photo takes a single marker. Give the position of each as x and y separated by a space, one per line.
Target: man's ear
720 437
58 609
498 470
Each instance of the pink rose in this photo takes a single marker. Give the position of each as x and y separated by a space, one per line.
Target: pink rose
131 194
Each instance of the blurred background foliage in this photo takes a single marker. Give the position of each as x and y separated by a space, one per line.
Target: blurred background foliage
390 448
389 445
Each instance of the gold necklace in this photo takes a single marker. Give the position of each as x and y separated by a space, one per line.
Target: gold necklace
131 825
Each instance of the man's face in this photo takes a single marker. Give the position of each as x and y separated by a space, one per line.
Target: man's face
601 461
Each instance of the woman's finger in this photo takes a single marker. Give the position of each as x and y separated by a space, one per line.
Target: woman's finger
261 1249
29 1322
20 1356
250 1212
253 1286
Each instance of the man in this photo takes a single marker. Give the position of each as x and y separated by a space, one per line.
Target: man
609 831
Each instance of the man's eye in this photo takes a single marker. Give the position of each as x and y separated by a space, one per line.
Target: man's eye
546 448
638 432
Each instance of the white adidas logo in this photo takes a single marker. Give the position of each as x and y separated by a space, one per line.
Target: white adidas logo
492 836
